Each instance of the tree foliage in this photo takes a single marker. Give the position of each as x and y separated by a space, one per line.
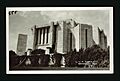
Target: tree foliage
93 53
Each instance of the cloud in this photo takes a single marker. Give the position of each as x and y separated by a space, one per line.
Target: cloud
58 15
21 23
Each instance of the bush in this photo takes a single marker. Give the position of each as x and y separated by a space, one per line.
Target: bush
57 57
13 59
93 53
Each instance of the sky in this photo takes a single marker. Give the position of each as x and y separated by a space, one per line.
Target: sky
23 21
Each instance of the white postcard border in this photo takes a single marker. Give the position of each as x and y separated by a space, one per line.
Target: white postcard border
111 71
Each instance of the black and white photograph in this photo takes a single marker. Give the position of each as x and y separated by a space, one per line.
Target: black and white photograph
59 40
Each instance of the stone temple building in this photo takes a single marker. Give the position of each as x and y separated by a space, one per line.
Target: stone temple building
63 36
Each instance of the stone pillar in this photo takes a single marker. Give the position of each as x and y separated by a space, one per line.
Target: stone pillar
52 32
60 39
42 36
45 35
38 42
34 37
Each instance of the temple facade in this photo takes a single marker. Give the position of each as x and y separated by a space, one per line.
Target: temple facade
62 36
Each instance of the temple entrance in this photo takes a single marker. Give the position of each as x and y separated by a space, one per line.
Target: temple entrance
86 37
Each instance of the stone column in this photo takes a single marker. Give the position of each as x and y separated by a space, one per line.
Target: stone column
45 36
42 36
52 32
38 42
34 36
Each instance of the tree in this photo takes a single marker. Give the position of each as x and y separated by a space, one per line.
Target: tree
12 53
93 53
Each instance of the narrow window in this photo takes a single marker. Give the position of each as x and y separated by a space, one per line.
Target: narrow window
55 29
43 35
70 41
86 37
36 37
40 35
47 35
